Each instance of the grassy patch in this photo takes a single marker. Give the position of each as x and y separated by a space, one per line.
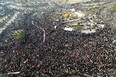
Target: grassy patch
19 35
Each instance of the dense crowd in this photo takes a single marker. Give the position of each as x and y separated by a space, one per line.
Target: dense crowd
61 55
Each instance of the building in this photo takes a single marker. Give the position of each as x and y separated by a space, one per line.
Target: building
73 1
